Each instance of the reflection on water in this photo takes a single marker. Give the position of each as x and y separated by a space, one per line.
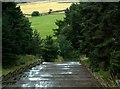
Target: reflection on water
36 79
26 85
74 63
44 77
50 74
45 84
66 72
65 68
47 62
65 63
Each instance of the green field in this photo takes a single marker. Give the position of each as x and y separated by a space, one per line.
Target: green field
45 24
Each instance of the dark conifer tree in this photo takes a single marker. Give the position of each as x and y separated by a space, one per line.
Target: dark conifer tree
17 34
93 29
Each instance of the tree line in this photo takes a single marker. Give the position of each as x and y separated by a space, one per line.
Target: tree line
94 30
18 38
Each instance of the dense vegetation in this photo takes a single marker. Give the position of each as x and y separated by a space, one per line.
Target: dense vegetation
35 13
93 29
50 49
90 29
18 37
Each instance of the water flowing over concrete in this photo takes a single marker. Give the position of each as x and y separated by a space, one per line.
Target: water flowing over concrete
49 75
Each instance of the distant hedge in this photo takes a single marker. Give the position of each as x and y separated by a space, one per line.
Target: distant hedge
35 13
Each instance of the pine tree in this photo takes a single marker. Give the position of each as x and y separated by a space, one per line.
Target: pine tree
93 29
17 33
49 49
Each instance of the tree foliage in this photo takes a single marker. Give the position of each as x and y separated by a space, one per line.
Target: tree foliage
65 47
93 29
49 49
35 13
17 35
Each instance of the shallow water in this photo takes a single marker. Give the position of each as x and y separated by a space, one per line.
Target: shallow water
50 74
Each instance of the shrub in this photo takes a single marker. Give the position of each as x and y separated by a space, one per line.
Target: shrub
115 62
49 49
35 13
50 10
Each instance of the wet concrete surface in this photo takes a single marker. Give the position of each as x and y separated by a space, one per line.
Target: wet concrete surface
49 75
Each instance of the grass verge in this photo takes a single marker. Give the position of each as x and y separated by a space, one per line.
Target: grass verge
22 61
103 76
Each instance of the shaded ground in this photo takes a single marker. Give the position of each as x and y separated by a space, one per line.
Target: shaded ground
49 75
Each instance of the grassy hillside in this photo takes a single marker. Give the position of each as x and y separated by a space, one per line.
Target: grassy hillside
45 24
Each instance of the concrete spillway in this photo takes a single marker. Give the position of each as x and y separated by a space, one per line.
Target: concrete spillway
49 75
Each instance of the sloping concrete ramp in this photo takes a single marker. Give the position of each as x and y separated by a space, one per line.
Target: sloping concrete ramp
50 75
